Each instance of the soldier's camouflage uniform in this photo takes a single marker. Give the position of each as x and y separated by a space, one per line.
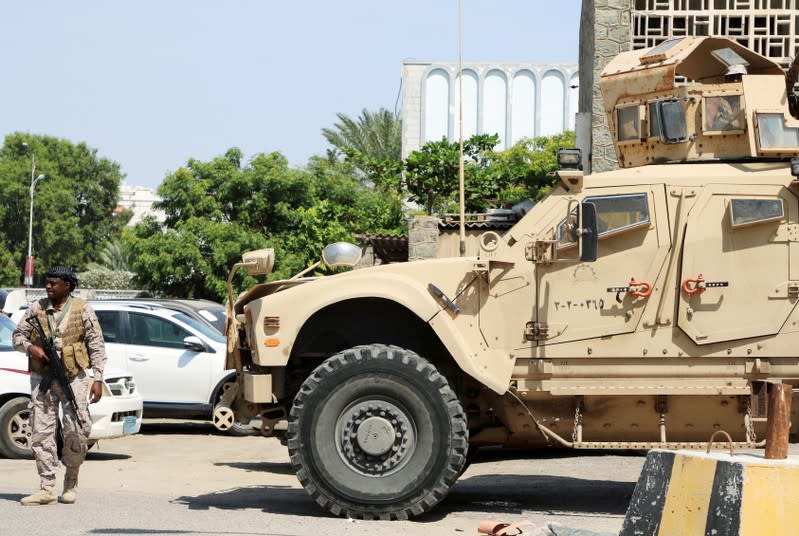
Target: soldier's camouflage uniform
79 323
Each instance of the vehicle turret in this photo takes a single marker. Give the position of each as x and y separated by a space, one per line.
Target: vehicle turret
698 99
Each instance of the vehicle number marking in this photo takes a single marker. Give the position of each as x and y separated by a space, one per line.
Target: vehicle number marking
580 304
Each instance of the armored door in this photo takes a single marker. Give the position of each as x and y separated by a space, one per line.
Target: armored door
736 273
606 297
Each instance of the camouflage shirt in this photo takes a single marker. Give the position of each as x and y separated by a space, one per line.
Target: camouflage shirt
93 335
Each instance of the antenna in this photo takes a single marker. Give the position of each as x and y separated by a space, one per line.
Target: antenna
461 193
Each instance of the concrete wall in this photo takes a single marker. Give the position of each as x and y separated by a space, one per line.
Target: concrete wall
605 31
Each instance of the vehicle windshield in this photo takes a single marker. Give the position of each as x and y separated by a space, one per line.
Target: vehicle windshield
215 316
205 329
6 329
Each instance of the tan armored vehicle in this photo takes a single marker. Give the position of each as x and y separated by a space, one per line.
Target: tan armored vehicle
644 307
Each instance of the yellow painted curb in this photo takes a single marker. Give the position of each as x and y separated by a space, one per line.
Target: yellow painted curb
688 493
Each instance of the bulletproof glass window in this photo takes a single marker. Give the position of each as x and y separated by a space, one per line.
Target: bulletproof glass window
773 134
627 123
654 120
722 114
728 57
660 52
745 212
671 121
614 214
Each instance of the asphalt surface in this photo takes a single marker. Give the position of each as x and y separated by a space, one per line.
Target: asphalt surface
186 478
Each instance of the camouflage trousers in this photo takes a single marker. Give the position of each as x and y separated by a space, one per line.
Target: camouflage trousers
45 417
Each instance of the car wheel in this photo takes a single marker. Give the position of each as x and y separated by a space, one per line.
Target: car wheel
376 432
16 428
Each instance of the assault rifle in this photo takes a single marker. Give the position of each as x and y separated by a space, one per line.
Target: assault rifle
57 371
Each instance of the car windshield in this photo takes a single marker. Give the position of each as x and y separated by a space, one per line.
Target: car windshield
215 316
205 329
6 329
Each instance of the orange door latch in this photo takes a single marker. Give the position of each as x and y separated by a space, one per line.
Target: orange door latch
638 289
697 285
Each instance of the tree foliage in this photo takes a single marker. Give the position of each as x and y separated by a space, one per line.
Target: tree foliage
74 206
217 210
524 171
375 135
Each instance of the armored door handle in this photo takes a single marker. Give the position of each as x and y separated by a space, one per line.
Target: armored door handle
697 285
638 289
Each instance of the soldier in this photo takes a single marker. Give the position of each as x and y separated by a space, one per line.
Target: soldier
72 326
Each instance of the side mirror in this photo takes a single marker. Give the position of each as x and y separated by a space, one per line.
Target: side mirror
341 254
194 343
259 262
587 233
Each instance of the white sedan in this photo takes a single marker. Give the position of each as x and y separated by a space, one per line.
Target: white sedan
117 414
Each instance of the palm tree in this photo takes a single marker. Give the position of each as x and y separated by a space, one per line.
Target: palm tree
375 135
114 257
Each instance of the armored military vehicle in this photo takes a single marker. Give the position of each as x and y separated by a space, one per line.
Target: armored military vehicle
644 307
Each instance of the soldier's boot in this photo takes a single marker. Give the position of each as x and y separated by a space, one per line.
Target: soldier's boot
70 494
46 495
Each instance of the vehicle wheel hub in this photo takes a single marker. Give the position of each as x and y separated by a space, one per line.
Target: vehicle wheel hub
375 437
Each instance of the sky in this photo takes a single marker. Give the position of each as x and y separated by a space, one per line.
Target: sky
152 83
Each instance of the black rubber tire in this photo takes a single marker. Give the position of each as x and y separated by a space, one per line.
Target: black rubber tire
421 434
16 428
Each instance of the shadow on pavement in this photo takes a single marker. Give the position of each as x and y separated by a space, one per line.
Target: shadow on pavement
512 494
270 499
100 456
491 494
278 468
177 427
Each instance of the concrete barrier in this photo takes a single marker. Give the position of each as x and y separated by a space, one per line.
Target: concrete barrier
686 493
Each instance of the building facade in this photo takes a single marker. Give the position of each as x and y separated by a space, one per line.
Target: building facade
140 201
514 100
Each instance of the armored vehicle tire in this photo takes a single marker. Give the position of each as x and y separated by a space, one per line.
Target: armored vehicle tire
15 428
376 432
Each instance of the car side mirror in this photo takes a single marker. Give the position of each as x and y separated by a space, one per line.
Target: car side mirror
194 343
587 231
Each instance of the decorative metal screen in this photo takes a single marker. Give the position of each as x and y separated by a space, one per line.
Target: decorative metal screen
768 27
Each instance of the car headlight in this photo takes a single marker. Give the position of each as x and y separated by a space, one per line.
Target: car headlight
123 386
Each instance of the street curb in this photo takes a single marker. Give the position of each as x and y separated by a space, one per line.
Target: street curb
687 492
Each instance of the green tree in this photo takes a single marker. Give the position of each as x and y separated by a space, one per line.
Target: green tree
217 210
74 207
530 164
524 171
375 135
431 174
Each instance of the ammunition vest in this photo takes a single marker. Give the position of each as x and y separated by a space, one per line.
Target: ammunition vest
74 353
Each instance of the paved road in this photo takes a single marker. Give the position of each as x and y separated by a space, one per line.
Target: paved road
186 478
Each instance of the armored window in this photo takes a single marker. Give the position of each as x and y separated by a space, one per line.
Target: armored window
667 116
654 120
745 212
614 214
660 52
728 57
628 125
722 114
774 134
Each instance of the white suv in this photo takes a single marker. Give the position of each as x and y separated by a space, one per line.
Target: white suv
117 414
178 361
